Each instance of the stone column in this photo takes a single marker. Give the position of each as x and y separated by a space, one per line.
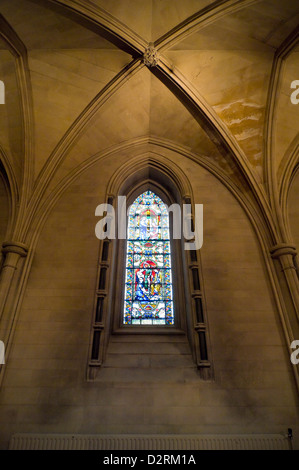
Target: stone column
12 252
285 253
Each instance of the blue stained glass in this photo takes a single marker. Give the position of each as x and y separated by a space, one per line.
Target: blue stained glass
148 290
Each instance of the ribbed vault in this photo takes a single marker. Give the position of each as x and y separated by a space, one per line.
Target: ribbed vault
83 66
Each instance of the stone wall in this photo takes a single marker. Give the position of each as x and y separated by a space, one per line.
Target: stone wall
45 388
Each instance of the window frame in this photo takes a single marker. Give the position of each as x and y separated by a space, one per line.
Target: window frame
120 273
133 268
171 188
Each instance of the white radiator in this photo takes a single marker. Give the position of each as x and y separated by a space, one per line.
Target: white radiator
149 442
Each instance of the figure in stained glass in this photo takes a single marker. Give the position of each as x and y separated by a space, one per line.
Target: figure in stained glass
148 293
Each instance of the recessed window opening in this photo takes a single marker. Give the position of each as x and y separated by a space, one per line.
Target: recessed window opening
148 281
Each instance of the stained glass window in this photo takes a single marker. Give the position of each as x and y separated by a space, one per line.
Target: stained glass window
148 288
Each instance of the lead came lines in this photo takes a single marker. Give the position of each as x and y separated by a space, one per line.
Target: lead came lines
148 291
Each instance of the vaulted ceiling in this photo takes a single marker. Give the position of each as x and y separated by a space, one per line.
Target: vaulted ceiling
76 85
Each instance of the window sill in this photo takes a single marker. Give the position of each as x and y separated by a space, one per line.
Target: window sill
148 330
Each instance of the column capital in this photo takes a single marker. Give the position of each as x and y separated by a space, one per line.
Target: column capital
282 249
14 247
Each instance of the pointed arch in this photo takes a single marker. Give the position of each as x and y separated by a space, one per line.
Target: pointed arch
148 269
11 186
19 51
151 176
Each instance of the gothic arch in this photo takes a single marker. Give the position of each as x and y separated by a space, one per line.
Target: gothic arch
21 189
288 171
171 184
10 185
153 166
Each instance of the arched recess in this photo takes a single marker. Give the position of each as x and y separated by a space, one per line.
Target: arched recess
154 173
22 176
275 173
288 195
287 173
292 209
8 198
114 185
153 155
254 362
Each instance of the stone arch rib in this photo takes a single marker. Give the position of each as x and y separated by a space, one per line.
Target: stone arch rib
18 50
270 165
178 85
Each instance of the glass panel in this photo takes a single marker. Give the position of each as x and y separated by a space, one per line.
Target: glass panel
148 289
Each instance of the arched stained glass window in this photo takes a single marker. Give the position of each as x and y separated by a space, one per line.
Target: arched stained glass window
148 288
